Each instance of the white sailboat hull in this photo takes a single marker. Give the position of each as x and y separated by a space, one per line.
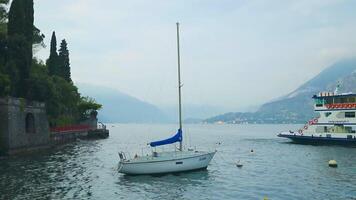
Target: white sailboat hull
188 162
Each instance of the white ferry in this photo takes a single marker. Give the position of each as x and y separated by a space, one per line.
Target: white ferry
336 123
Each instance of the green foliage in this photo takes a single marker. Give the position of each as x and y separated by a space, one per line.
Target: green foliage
4 78
52 61
20 40
88 106
63 102
40 85
25 77
63 61
4 85
3 16
58 63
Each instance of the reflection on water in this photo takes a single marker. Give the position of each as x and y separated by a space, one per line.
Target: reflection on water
170 186
276 169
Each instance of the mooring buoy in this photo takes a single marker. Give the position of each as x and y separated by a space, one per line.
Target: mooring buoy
238 164
332 163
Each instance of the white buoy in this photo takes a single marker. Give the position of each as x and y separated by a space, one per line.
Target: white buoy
238 164
332 163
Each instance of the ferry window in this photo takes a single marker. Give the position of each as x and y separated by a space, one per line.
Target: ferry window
319 129
319 102
348 129
327 114
329 100
350 114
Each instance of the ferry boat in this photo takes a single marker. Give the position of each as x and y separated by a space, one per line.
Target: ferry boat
335 124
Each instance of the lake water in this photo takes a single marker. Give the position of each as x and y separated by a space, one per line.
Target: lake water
277 169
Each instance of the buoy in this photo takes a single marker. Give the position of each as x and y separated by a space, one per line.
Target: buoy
251 150
238 164
332 163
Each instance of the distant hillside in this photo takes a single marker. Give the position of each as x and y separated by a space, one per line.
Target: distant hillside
297 107
193 113
122 108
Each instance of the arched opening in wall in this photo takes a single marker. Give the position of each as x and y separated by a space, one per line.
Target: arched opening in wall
30 123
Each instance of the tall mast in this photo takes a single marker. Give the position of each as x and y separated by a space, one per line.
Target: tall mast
179 88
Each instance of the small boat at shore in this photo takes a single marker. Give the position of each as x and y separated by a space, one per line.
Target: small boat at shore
180 160
336 123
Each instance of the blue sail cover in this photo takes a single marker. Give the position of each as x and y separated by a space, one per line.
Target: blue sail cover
176 138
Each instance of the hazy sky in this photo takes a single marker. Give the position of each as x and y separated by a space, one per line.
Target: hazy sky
234 53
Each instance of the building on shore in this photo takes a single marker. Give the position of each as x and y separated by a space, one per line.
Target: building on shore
23 125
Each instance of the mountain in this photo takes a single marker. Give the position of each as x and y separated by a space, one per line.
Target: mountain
122 108
297 106
193 113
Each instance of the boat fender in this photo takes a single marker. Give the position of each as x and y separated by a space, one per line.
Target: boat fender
332 163
239 164
305 127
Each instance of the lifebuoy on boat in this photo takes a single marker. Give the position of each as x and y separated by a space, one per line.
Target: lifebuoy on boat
315 120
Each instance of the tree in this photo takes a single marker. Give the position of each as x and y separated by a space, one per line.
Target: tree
3 33
87 106
3 16
52 62
63 60
20 40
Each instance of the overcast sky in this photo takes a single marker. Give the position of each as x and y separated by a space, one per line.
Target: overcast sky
235 53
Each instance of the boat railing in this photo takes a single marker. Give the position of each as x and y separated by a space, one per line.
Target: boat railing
340 105
124 155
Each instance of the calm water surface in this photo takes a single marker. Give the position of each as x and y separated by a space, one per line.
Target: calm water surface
277 169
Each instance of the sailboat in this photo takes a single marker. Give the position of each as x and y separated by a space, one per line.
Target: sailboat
180 160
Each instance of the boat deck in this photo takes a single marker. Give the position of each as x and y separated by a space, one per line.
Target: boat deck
311 139
164 156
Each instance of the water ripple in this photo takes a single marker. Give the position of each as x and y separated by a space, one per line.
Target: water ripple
276 169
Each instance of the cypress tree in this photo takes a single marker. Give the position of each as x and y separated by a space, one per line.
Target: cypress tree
3 32
64 63
52 62
20 40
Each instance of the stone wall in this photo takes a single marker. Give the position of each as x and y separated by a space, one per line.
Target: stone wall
23 125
